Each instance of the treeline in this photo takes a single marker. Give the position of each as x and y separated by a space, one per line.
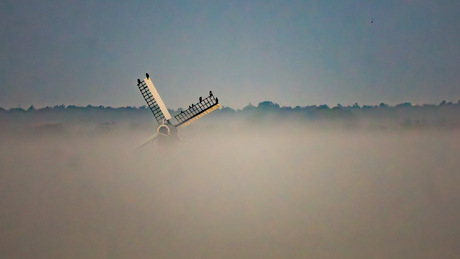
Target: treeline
263 106
382 116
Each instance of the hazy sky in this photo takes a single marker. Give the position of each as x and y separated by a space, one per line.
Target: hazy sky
290 52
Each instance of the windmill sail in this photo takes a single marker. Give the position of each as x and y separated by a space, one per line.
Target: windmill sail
197 111
153 100
148 140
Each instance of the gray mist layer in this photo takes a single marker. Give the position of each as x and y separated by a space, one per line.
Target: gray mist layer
277 190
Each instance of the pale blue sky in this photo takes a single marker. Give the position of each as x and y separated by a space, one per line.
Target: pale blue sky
289 52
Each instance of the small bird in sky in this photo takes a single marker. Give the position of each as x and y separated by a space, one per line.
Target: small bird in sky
372 21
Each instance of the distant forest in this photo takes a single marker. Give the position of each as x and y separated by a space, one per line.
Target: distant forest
445 115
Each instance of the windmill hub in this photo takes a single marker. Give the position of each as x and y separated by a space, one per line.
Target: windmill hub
163 130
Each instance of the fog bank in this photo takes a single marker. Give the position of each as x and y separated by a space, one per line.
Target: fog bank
271 191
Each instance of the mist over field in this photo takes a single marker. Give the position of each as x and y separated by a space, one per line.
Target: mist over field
257 185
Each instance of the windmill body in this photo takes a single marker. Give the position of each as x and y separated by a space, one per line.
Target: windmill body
167 132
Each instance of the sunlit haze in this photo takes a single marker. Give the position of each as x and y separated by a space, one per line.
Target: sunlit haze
245 184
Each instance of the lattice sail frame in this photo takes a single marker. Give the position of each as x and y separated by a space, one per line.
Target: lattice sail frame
197 111
154 101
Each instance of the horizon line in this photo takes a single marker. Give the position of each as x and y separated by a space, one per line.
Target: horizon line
355 105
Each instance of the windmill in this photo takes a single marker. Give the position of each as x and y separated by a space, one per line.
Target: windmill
167 132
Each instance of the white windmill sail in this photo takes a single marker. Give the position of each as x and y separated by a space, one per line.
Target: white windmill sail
197 111
153 99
